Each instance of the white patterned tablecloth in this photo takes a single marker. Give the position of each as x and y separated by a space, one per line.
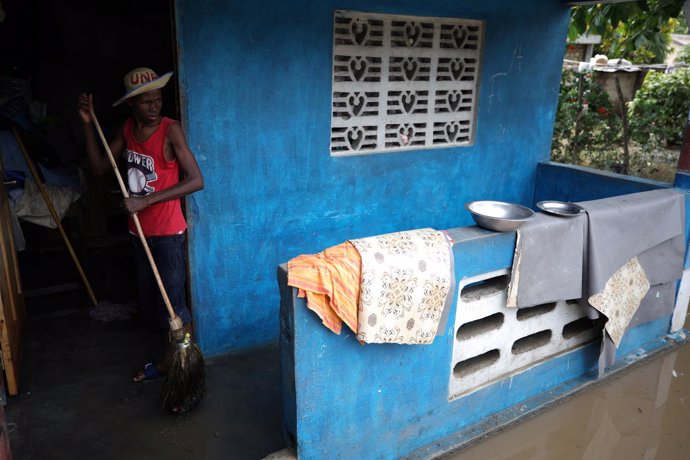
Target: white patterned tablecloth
405 286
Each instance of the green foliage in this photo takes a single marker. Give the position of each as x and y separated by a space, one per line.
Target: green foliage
636 47
586 129
682 26
637 31
659 112
684 55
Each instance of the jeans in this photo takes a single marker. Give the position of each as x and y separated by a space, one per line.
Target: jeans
168 253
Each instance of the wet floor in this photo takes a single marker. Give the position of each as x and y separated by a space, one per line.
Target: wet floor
76 392
642 414
76 398
77 401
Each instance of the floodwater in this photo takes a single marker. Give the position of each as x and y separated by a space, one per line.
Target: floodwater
642 414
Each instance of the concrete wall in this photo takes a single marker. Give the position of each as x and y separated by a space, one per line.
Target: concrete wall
345 400
256 86
342 400
557 181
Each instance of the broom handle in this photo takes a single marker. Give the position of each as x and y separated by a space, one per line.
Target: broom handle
54 213
135 218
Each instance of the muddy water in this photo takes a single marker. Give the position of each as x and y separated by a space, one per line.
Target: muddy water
642 414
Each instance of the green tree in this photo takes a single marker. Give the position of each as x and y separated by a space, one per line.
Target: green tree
659 112
637 31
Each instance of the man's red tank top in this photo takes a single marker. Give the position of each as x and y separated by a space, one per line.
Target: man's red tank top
149 171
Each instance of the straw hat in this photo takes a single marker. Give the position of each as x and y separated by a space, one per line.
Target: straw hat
142 80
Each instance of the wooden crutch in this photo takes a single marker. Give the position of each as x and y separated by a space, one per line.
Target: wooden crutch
54 213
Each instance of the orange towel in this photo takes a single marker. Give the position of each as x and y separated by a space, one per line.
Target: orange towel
330 280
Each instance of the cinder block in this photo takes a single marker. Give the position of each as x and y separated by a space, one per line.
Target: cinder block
493 342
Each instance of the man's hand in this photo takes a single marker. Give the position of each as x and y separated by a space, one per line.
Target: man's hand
84 106
134 204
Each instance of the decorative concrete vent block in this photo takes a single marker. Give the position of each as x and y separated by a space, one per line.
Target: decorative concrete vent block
403 82
493 342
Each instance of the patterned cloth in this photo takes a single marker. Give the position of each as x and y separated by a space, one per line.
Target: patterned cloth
330 282
621 297
406 282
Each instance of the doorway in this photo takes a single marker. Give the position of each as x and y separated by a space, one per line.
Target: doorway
53 50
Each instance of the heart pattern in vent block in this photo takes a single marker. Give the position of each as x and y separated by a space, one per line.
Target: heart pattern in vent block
403 82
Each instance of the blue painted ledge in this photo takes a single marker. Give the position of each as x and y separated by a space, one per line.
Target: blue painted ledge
556 181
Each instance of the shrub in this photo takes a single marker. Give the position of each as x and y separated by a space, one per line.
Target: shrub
659 113
598 138
684 55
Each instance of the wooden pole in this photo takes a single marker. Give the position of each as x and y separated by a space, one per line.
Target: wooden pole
581 112
626 132
55 215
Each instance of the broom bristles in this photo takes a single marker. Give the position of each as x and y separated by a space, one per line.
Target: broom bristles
185 384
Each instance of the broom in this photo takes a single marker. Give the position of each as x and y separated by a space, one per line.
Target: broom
186 379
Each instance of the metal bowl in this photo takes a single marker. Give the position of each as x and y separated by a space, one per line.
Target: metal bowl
560 208
498 215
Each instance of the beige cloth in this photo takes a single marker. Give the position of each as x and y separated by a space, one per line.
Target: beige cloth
32 207
405 286
621 298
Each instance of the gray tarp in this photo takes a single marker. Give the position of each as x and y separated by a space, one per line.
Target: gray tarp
574 258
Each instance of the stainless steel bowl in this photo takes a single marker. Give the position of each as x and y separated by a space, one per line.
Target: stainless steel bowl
560 208
498 215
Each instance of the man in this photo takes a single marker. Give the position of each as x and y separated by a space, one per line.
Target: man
160 170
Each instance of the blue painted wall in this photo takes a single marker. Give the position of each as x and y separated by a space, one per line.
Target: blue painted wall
255 79
557 181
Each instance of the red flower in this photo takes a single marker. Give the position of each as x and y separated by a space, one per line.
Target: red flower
602 109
